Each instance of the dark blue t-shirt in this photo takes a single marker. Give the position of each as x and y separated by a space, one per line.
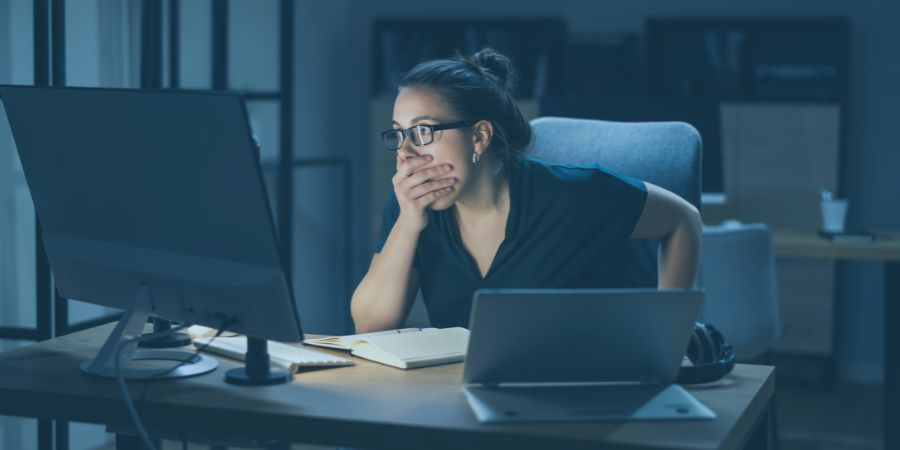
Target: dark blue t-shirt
567 228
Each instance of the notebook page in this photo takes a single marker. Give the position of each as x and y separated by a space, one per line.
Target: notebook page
344 342
431 346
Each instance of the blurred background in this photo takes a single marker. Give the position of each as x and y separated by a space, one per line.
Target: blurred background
790 97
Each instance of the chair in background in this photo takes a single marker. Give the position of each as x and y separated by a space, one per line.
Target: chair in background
737 270
667 154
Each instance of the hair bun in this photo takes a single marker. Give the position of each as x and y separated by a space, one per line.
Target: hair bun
497 66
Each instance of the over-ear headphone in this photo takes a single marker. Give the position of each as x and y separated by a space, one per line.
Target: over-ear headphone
712 358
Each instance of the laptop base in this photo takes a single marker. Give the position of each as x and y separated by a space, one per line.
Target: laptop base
568 403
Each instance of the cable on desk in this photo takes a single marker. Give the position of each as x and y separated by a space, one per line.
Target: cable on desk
224 326
120 378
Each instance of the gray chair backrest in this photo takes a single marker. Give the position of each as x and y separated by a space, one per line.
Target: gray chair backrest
667 154
737 271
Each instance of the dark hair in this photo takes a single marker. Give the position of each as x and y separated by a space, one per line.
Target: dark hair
478 87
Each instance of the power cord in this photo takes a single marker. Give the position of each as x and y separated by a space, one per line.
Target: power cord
120 378
225 324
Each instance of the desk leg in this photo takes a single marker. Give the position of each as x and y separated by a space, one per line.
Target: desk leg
761 436
891 355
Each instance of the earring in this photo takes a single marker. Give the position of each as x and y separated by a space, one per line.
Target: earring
475 158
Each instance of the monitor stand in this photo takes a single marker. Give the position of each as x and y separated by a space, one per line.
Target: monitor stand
143 364
257 371
171 340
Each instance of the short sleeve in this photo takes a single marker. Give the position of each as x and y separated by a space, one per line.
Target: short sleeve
388 218
623 196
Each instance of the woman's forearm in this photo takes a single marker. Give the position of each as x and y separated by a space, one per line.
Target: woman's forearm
383 297
679 253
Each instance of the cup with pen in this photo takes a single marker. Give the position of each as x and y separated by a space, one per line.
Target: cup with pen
834 211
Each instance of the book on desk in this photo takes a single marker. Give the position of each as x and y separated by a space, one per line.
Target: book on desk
404 349
407 348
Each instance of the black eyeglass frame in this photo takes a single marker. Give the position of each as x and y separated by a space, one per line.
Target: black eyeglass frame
407 133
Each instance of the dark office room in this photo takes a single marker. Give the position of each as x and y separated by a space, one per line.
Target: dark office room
495 224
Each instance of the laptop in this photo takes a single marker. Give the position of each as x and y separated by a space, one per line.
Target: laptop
580 354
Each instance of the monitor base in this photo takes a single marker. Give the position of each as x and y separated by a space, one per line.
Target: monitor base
143 364
240 377
151 365
257 371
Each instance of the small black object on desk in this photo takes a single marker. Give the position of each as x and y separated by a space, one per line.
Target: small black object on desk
849 236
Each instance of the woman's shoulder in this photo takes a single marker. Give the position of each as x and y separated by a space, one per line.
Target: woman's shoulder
550 174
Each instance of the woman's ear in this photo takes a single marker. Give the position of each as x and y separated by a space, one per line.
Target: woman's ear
482 135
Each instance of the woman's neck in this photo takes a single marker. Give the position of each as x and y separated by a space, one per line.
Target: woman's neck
488 193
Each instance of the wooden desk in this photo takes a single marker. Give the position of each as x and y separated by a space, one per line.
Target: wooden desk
369 405
807 244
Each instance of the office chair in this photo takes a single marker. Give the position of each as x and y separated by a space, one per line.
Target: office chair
667 154
737 270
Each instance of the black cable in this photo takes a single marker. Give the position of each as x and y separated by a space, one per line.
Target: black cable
135 418
120 378
225 324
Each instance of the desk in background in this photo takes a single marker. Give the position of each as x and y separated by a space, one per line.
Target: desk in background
807 244
369 405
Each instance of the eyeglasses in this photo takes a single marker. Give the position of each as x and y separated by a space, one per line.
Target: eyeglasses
419 135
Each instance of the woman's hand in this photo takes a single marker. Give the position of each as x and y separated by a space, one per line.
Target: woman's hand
416 188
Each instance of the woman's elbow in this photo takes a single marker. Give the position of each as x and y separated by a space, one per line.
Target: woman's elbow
357 314
684 223
364 319
690 230
692 220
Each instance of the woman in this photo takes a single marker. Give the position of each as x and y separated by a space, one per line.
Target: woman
468 211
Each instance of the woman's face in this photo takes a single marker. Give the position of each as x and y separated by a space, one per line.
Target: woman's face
416 106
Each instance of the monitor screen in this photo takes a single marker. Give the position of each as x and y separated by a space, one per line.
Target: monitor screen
159 190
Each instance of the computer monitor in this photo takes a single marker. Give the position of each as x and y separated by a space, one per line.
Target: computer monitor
153 202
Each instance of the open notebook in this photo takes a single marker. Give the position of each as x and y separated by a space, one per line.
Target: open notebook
406 348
